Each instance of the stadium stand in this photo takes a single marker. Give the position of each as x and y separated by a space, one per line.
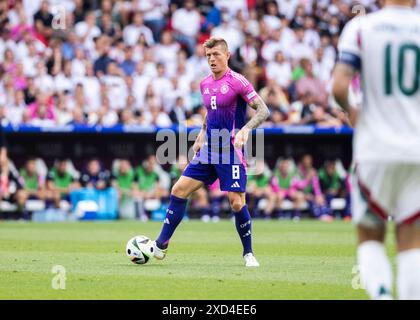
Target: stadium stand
114 62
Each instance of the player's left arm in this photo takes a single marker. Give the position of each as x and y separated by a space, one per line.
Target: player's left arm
261 114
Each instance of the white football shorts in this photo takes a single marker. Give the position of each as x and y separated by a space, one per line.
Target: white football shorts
382 190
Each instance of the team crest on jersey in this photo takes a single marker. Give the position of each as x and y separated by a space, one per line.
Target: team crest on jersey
224 89
207 91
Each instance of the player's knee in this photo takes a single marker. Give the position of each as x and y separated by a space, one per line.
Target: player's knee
180 191
408 236
371 234
236 205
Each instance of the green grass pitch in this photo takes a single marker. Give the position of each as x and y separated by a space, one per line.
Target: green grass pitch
305 260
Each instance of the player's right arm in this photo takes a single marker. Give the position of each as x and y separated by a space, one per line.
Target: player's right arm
343 75
202 135
348 65
201 138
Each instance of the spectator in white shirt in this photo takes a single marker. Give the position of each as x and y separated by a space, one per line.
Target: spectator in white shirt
78 117
233 6
186 23
329 51
87 30
323 65
166 51
105 115
288 7
311 37
272 45
117 51
116 87
154 15
127 117
150 66
15 111
79 98
30 7
162 86
44 82
198 63
78 68
300 48
140 83
279 70
183 76
29 62
169 99
21 49
232 34
62 115
155 116
91 88
132 32
272 18
151 98
64 80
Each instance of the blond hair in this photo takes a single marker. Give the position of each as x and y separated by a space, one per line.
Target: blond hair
215 41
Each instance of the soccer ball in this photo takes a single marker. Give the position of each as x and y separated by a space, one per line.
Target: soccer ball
139 249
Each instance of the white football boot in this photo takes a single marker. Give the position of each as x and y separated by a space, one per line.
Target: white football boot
250 260
158 253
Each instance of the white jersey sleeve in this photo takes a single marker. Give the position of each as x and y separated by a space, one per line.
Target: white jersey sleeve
349 45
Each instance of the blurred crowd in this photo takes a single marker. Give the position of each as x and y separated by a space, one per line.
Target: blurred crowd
107 62
137 191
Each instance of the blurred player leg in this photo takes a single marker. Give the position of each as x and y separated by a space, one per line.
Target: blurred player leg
408 261
370 218
408 233
242 219
375 268
176 209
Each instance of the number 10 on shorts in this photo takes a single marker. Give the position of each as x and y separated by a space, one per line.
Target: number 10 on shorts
235 172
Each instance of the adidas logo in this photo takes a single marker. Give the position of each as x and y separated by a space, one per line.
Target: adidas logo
207 91
235 185
166 221
245 224
247 234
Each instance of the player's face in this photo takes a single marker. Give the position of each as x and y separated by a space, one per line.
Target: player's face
217 58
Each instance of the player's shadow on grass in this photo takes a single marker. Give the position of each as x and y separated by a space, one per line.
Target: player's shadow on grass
146 265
